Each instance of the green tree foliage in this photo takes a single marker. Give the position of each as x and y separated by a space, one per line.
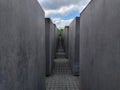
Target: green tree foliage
60 31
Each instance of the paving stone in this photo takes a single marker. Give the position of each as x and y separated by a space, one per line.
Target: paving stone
62 77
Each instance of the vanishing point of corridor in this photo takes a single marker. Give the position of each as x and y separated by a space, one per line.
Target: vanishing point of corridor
62 77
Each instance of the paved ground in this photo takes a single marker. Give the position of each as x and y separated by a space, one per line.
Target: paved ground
62 78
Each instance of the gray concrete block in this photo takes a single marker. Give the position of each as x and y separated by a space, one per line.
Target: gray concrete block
65 37
56 37
100 46
74 30
49 35
22 51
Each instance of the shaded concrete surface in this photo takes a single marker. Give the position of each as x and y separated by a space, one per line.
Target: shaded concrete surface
100 46
62 78
65 36
49 44
55 38
73 54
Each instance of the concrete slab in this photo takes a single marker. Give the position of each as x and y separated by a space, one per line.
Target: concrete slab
73 56
56 38
22 51
65 37
100 46
49 29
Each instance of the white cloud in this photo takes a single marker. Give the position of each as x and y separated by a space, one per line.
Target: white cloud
62 11
65 9
56 4
61 23
54 8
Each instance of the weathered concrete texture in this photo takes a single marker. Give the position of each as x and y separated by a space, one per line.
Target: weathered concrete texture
55 38
49 35
100 46
22 49
74 30
65 37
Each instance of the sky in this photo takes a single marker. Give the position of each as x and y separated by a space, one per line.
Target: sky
62 12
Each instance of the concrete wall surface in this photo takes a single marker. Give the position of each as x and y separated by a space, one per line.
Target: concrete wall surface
65 37
100 46
22 45
49 35
56 38
74 45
